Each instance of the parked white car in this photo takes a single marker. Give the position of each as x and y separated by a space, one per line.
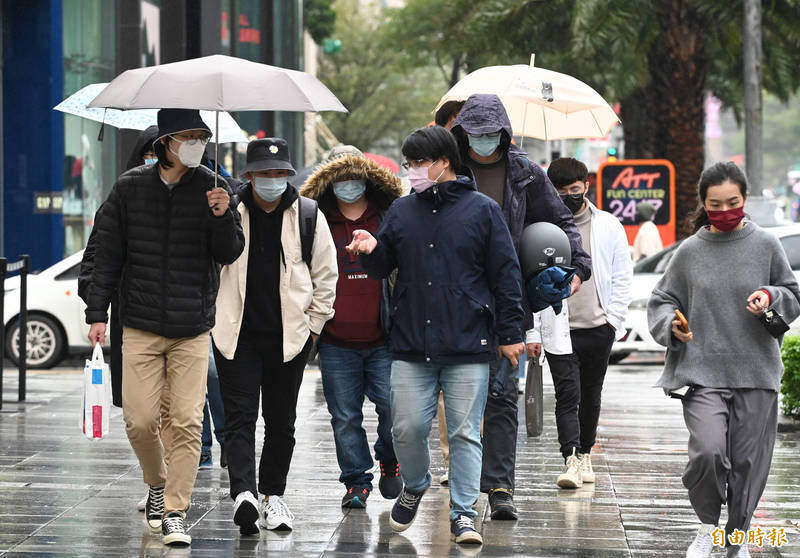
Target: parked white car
56 325
646 275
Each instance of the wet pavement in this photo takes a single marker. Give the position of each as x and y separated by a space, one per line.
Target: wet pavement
62 495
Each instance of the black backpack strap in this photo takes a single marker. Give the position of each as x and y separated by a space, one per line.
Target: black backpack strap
308 226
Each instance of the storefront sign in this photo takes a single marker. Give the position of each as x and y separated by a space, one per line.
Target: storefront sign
624 184
48 202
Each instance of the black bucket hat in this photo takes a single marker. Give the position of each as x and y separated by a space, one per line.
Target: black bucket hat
268 154
174 121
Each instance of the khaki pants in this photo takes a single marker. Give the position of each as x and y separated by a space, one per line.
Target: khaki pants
152 362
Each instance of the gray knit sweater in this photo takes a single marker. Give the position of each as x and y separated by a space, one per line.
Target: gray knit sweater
709 279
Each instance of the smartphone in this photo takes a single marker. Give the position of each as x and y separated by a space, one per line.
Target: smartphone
684 327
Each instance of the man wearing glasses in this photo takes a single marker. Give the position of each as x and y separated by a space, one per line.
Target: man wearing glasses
164 232
526 196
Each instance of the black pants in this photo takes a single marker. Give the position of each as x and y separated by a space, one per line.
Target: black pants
257 369
500 424
578 381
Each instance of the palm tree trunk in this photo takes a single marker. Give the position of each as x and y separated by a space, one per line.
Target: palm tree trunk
638 112
678 67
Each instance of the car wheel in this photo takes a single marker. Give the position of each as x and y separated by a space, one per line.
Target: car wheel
616 358
45 342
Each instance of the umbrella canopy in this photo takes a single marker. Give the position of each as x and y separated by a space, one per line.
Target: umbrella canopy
384 161
540 103
218 83
139 119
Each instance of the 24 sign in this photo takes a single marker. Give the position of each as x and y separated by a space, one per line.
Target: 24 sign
624 184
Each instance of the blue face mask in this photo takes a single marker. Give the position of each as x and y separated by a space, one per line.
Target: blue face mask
349 191
151 161
484 144
269 189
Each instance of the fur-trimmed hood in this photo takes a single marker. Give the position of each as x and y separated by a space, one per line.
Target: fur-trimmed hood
383 186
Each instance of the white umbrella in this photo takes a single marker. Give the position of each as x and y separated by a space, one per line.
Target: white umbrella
540 103
217 83
139 119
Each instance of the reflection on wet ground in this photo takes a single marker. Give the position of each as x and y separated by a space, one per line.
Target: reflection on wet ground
61 495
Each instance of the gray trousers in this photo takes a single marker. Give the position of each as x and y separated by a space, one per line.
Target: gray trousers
731 440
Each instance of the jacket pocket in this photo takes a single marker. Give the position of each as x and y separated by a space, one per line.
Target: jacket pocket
406 329
467 327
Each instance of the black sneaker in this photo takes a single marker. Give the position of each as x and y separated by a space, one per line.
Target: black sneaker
206 461
154 507
355 497
463 529
173 530
502 503
390 484
405 510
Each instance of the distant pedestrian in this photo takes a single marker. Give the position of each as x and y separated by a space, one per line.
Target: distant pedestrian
594 321
648 239
163 231
526 196
458 292
721 278
272 304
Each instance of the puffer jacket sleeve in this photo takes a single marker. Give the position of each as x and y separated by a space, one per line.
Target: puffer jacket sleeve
109 255
227 238
87 262
544 204
505 279
324 275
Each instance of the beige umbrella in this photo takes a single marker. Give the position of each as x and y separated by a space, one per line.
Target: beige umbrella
540 103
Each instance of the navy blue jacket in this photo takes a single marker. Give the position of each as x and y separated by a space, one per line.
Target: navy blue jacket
529 196
458 275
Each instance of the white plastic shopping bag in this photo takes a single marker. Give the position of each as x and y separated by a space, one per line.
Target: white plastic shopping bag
96 405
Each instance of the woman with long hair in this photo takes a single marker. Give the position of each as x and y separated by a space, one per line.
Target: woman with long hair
722 279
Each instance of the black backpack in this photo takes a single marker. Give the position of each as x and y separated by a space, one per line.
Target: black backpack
308 225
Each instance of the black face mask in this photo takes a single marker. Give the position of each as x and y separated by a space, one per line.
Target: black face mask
574 202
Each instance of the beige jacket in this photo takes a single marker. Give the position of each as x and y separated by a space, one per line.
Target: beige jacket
306 295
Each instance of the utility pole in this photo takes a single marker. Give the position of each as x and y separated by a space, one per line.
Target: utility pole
761 210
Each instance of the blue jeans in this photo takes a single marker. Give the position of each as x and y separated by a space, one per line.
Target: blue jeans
347 376
213 402
415 393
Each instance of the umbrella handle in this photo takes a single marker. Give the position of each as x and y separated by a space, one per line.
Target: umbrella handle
216 150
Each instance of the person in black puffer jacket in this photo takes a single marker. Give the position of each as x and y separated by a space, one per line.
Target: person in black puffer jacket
163 233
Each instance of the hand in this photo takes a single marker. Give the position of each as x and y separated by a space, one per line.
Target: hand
534 350
97 334
363 243
679 333
512 352
758 302
218 200
576 284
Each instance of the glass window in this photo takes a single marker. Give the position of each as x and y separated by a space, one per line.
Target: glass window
70 274
791 245
90 166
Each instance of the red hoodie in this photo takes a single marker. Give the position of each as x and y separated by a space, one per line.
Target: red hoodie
356 323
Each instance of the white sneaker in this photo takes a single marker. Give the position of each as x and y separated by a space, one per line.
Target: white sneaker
275 515
703 543
744 551
444 478
246 513
571 477
587 474
140 505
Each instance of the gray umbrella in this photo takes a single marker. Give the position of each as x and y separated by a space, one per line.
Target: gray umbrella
217 83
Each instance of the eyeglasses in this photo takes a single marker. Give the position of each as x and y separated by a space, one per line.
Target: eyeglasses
416 163
192 139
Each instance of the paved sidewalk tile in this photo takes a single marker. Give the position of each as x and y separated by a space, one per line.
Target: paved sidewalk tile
63 495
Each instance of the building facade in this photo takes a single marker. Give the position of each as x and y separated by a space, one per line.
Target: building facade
55 171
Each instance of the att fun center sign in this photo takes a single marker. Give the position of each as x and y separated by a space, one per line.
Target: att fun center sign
622 185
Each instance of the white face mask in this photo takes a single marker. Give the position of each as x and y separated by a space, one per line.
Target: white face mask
190 155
